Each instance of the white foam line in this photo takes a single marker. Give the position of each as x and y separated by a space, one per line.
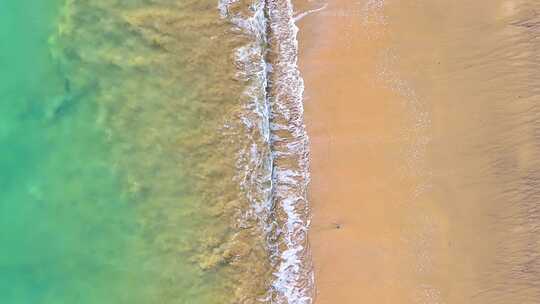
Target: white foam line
294 275
309 12
272 189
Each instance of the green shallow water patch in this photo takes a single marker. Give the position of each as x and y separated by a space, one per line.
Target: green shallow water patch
66 225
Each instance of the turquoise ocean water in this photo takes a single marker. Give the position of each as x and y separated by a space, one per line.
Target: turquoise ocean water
117 183
62 213
150 154
65 222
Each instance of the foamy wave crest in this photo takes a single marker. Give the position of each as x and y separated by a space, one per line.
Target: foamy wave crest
254 158
273 163
289 144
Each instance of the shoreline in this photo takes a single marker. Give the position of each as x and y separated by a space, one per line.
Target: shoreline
275 162
355 124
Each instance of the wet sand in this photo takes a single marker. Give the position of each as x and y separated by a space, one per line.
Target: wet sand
423 125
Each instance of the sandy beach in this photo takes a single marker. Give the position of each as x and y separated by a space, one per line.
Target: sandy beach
422 122
357 138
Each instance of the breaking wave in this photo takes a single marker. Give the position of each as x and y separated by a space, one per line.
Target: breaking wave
273 165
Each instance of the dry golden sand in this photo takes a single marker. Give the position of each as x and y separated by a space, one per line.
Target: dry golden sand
423 124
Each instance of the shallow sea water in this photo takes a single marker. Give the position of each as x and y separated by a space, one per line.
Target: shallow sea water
119 132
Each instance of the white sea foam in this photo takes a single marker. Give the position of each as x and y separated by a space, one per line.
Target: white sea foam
289 142
273 166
